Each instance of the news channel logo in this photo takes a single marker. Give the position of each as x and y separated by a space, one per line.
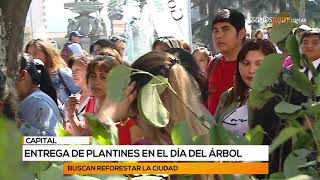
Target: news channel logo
276 19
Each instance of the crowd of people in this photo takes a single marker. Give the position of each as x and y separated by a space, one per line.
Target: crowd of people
55 87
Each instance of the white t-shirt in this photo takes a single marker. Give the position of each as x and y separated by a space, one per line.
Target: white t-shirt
237 120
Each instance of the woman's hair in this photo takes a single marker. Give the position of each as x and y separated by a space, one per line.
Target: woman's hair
76 59
240 90
166 65
105 43
111 52
53 59
39 75
101 63
8 97
204 53
167 41
187 61
185 45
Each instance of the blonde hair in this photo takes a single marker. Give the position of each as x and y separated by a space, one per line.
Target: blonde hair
160 63
53 59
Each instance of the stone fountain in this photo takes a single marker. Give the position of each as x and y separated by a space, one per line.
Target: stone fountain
92 28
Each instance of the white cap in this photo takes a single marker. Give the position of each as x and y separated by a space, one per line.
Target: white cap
304 27
76 49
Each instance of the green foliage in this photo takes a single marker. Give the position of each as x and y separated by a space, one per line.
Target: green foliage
258 99
293 161
199 140
181 134
286 108
269 71
281 30
11 150
117 82
220 136
103 134
62 131
255 135
284 135
150 104
292 46
299 81
56 172
276 176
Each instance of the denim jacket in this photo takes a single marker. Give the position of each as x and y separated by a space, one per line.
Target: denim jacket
58 84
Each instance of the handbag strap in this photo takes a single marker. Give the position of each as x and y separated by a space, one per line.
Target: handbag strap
64 83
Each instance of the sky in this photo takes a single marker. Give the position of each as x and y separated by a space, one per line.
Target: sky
57 16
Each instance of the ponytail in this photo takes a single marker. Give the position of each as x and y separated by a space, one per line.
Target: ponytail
39 75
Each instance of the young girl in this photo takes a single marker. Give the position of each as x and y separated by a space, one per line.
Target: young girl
232 111
38 110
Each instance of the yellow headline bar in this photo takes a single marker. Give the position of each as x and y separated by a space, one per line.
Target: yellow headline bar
167 168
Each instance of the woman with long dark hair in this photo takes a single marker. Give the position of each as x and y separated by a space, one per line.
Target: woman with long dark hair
38 110
232 111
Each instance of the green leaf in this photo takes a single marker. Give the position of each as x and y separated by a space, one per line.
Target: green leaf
255 135
117 82
299 81
300 177
39 166
151 106
220 136
308 63
317 79
317 84
228 177
160 83
181 134
109 176
105 135
286 108
304 140
292 47
293 161
284 135
199 140
276 176
269 71
313 110
258 99
186 178
281 30
11 150
62 131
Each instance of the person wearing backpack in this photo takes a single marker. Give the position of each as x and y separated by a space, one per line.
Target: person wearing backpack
228 36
